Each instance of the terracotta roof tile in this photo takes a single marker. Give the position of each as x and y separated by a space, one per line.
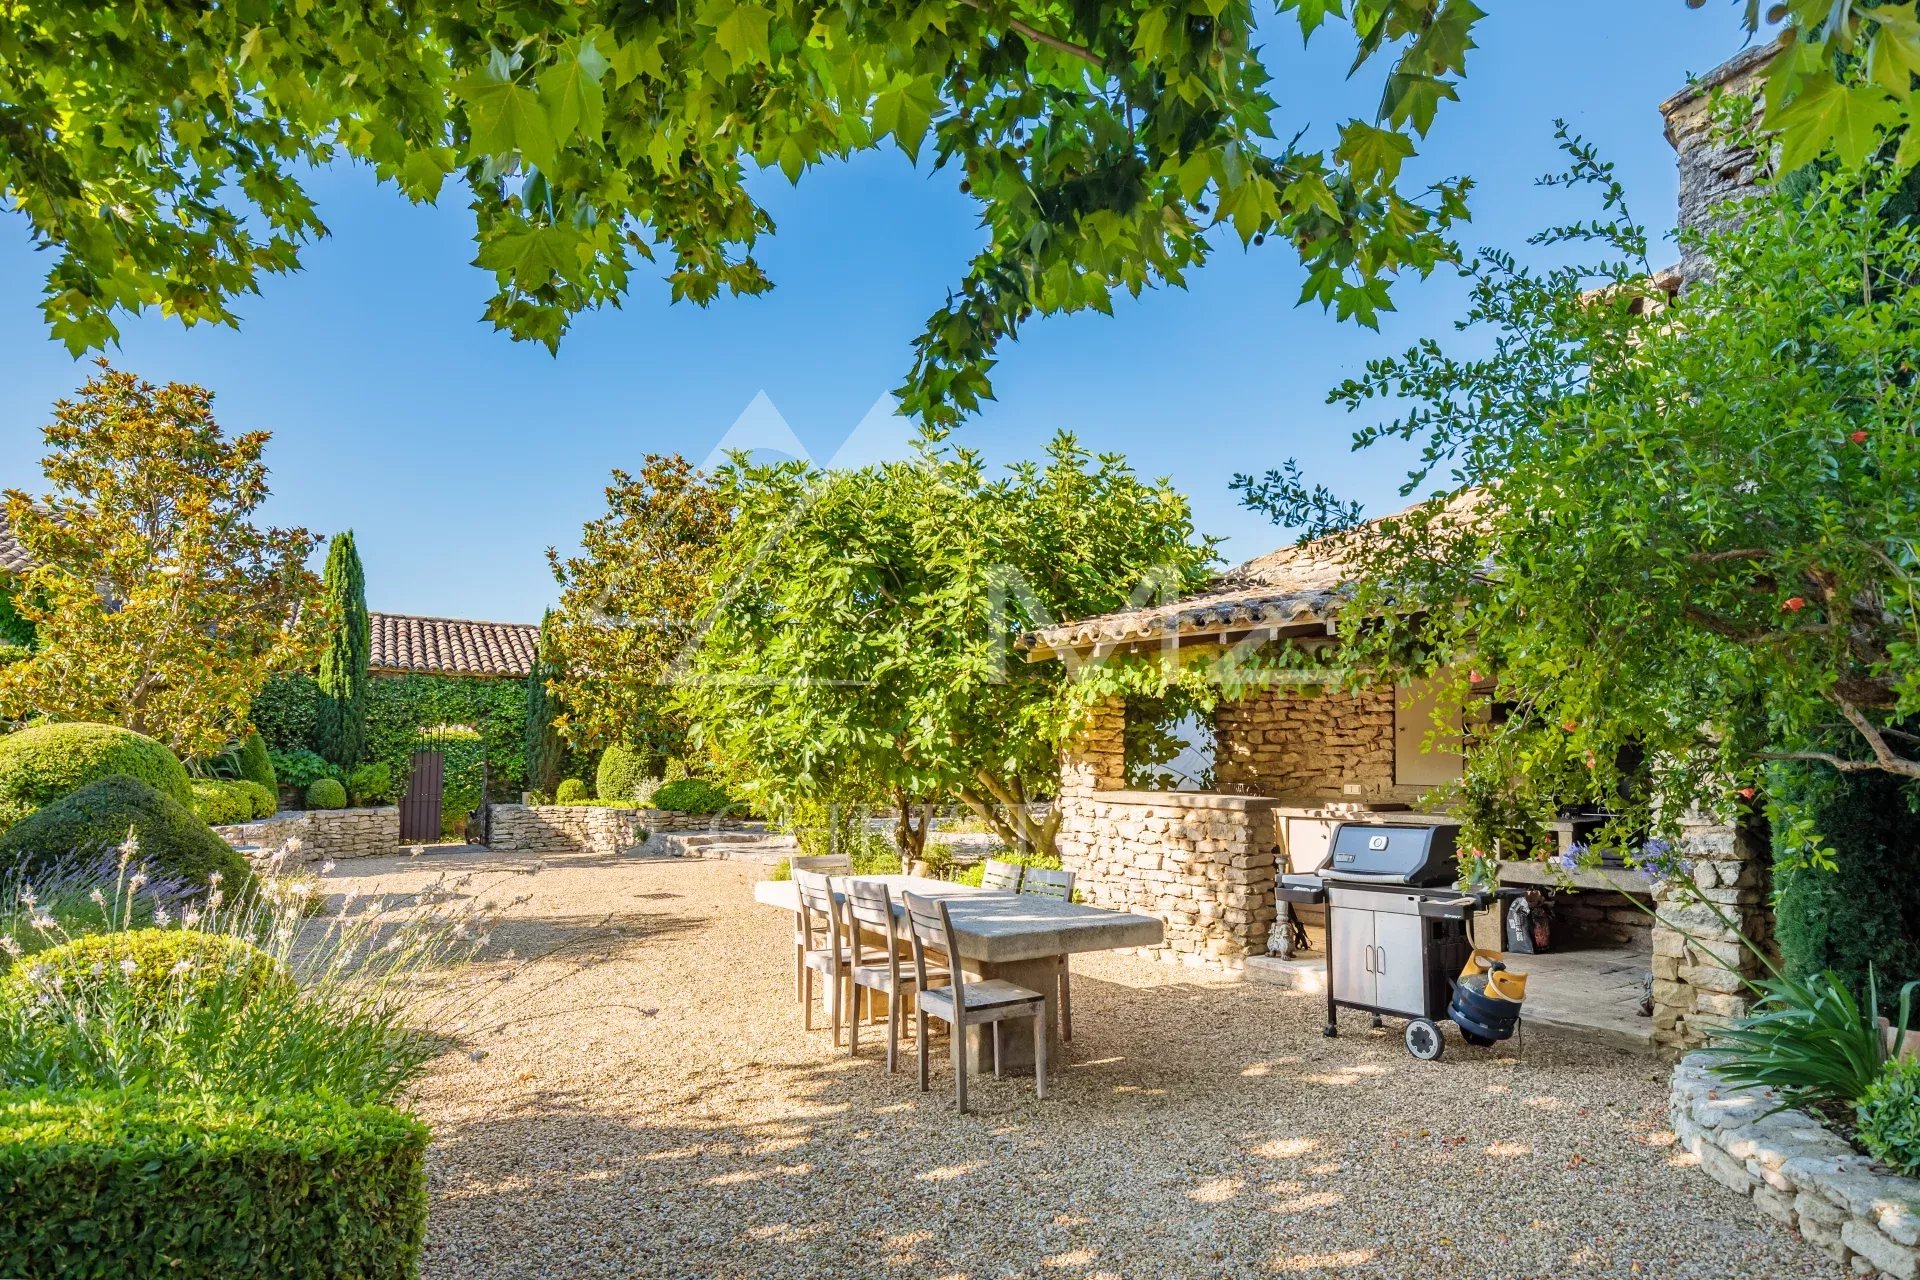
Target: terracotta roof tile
1300 585
13 556
451 646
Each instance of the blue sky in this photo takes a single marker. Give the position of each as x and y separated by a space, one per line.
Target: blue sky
458 455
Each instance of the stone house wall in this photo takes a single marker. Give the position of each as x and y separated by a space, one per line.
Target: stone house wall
1710 170
1700 964
1302 743
322 833
1202 863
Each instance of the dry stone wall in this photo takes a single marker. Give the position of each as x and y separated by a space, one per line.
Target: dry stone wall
1304 743
589 828
1701 967
1201 863
322 834
1797 1172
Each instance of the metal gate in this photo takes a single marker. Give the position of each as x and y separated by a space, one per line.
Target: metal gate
420 803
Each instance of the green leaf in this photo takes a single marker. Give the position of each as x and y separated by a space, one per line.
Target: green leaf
742 34
570 90
1829 116
504 117
1371 153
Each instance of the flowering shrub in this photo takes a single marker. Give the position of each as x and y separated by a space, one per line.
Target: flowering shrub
155 967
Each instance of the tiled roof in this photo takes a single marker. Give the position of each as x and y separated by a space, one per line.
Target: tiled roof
1301 585
13 556
451 646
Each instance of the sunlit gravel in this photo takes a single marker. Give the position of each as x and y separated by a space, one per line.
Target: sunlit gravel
637 1099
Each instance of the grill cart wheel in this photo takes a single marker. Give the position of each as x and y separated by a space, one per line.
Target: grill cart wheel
1424 1041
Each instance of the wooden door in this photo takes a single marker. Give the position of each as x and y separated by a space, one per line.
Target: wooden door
420 803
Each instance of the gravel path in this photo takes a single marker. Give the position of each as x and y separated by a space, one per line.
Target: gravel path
641 1102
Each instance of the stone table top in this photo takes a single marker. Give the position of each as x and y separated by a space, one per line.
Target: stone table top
994 927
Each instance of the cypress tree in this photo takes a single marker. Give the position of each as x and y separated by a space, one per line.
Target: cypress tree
340 712
545 753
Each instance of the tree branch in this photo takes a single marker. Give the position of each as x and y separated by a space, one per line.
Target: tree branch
1037 36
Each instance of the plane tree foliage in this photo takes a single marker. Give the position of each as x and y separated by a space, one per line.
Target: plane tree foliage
162 151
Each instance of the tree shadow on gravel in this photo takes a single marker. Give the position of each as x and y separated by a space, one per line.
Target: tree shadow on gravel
1197 1131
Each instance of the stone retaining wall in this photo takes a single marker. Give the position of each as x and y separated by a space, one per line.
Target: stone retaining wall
1308 743
322 833
1798 1173
1701 967
590 828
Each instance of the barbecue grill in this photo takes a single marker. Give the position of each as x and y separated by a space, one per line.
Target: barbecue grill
1397 929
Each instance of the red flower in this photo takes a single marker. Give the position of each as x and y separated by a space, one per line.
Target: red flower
1746 793
1473 677
1858 437
1794 604
1568 725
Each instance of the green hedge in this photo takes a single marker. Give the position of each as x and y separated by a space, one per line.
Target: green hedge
118 1187
99 815
621 771
572 791
40 764
327 793
221 804
217 962
1867 910
255 764
692 795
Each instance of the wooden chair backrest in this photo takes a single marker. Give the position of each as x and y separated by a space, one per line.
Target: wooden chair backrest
1001 875
931 928
869 904
816 899
1042 883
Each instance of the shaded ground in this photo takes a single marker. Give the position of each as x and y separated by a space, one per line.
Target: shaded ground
643 1103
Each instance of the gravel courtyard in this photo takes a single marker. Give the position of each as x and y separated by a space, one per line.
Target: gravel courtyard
636 1099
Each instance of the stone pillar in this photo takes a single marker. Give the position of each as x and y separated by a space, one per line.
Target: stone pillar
1700 964
1095 757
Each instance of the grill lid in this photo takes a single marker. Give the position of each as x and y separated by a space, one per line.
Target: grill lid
1410 854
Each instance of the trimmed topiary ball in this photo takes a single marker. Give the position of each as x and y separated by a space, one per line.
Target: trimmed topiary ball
262 800
327 793
1889 1117
156 965
39 765
98 817
692 795
572 791
255 765
622 770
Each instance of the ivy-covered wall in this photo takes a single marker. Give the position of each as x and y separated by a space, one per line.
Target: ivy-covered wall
400 709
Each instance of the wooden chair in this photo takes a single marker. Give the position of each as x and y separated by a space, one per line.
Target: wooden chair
828 864
1042 883
889 970
1004 876
961 1003
833 959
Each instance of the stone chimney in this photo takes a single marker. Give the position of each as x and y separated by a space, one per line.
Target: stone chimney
1710 170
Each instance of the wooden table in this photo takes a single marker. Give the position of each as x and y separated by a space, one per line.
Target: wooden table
1015 936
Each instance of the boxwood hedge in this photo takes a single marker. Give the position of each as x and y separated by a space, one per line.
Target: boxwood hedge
123 1187
41 763
98 816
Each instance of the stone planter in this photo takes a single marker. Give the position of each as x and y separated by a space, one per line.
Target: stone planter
1797 1172
590 828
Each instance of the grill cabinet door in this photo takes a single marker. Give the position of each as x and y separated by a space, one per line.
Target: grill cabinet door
1402 977
1352 954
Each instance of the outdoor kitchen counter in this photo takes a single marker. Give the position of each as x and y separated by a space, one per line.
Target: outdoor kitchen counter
1018 937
